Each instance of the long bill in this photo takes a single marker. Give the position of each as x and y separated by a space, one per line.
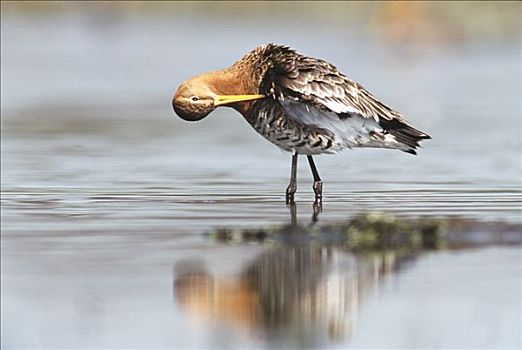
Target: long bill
220 100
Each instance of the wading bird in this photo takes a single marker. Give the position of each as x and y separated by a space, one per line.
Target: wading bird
301 104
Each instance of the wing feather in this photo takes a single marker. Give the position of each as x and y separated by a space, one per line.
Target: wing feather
316 83
320 83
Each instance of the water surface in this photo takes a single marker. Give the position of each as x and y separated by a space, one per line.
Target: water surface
106 196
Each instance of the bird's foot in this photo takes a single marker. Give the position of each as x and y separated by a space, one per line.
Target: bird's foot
290 192
318 190
318 203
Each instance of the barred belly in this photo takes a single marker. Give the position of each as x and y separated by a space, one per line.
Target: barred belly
270 121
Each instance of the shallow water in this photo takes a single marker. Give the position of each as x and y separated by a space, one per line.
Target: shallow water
106 197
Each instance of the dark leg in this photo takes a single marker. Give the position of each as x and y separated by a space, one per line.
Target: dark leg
318 184
292 187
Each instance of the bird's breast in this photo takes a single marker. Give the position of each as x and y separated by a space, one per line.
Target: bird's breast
271 121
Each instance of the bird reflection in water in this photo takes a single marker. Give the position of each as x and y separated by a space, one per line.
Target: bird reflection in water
317 208
308 283
310 291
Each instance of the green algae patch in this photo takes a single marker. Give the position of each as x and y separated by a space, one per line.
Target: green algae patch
386 231
378 231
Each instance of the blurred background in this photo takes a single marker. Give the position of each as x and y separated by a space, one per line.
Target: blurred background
106 193
106 71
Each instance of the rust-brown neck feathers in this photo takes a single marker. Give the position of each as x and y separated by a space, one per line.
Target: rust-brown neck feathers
244 77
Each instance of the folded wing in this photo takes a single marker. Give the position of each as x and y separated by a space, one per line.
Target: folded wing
328 97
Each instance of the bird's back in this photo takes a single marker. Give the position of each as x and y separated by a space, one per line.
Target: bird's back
313 108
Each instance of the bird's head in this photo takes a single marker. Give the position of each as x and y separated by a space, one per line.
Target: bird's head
197 97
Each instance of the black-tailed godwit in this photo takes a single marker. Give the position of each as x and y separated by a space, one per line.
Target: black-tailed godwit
301 104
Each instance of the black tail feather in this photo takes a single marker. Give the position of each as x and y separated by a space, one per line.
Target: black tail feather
404 133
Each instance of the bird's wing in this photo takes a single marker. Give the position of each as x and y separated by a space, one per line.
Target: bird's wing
319 83
314 92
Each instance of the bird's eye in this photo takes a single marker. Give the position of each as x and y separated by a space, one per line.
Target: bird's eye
194 98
